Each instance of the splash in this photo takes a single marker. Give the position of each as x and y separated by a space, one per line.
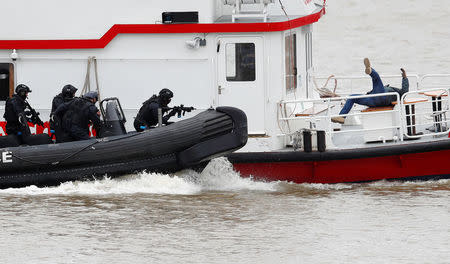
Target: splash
218 175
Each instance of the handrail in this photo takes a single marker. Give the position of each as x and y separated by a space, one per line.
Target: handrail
405 124
414 80
328 117
433 113
433 76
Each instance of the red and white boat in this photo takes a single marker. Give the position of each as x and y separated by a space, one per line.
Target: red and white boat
252 54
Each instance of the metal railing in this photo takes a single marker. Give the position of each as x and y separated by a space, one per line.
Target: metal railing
354 84
424 110
430 81
418 113
314 120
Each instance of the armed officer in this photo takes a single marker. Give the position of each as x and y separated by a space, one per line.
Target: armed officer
67 94
15 113
76 116
148 114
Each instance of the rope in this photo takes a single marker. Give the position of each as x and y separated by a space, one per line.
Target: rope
56 162
324 92
87 80
72 154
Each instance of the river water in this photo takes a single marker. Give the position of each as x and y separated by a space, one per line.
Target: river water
218 217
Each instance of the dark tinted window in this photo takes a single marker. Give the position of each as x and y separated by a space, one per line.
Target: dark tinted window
241 66
291 61
6 80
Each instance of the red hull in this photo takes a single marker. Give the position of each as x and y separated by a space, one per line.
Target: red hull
405 166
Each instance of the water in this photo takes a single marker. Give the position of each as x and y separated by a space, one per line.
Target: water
412 34
219 217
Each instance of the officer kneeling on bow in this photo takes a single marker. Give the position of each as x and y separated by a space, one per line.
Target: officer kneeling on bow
147 116
76 116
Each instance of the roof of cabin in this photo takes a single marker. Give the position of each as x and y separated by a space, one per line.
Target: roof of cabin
221 25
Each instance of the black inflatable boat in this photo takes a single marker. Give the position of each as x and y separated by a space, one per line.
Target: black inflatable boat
181 145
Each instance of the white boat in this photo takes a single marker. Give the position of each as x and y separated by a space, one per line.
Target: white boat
254 55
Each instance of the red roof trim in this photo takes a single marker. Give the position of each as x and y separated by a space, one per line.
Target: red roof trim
160 28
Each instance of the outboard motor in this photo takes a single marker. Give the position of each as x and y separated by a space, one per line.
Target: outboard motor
114 119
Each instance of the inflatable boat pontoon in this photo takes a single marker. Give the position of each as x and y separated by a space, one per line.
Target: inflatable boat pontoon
181 145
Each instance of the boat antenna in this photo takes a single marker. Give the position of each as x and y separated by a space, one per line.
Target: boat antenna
284 9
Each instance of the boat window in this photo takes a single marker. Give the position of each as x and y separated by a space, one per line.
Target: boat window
6 80
291 61
240 59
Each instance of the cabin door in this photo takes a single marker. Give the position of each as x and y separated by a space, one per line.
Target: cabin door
240 78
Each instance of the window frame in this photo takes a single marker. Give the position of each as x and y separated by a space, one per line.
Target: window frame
291 61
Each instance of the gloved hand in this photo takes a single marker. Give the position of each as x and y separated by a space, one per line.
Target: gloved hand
172 113
23 119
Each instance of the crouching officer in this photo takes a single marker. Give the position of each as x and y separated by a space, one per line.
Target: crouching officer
76 116
67 94
15 113
148 114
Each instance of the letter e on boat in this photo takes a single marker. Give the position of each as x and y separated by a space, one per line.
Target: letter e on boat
7 157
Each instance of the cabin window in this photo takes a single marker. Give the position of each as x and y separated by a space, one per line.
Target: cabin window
241 65
6 80
291 61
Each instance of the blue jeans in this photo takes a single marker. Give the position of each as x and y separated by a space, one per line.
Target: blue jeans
378 87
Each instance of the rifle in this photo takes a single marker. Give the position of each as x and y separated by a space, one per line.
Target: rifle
32 115
181 110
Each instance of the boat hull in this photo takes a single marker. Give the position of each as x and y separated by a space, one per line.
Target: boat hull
421 161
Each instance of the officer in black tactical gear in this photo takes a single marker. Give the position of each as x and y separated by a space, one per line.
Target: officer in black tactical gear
147 116
76 116
67 94
15 113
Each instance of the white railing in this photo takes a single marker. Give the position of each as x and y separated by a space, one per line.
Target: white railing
358 84
420 113
430 81
323 122
424 110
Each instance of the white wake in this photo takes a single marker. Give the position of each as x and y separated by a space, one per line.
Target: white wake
218 175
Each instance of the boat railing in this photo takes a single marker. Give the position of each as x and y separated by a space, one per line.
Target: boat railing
357 84
425 112
430 81
417 114
291 122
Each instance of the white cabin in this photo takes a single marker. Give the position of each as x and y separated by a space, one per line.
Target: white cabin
245 55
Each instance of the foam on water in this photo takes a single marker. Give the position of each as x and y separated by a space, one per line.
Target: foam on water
218 175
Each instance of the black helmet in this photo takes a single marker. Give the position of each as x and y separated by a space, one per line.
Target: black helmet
165 95
91 95
22 90
69 91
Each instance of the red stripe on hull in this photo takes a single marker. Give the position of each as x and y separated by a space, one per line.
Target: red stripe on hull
160 29
354 170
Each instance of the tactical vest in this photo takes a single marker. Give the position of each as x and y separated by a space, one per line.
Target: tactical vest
77 114
141 116
10 115
12 118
